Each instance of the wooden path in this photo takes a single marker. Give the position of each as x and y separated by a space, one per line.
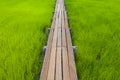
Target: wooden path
59 63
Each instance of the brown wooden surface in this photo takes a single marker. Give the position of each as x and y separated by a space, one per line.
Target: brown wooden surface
51 70
59 63
72 68
45 67
66 75
58 57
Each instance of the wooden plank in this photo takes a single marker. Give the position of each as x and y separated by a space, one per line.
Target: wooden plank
64 52
72 68
58 64
45 67
51 71
44 71
63 31
59 31
58 58
52 58
66 75
59 38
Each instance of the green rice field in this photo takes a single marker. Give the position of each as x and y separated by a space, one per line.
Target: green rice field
23 33
96 33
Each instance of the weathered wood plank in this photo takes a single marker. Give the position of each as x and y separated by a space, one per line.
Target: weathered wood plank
58 58
52 57
64 51
45 67
66 75
51 71
59 31
72 68
58 65
63 31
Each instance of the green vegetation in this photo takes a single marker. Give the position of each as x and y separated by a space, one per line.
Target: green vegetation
23 25
96 31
